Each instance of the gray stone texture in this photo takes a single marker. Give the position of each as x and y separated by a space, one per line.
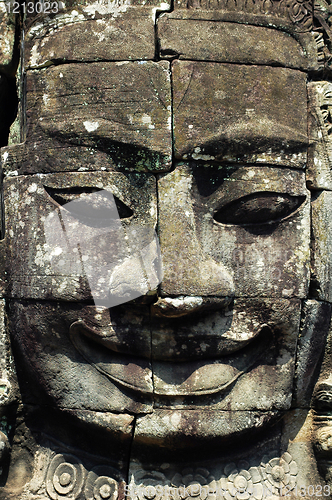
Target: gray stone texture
314 327
241 378
211 381
91 31
38 273
217 256
321 241
116 116
7 36
80 36
48 344
228 42
319 126
239 113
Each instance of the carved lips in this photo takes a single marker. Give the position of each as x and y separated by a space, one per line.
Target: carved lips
228 352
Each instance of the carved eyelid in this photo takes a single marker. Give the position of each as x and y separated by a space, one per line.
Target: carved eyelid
259 208
62 196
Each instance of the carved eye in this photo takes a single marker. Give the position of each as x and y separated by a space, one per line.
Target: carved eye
259 208
99 206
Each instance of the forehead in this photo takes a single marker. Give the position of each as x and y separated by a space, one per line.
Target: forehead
227 96
135 116
212 110
233 112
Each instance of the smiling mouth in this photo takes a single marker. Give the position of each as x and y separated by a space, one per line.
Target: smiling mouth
173 372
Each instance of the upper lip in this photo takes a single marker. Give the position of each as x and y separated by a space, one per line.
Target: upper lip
176 307
168 317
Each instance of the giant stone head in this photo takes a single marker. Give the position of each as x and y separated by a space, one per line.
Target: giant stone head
166 293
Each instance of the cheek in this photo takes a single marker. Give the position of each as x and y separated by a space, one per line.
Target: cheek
203 257
51 369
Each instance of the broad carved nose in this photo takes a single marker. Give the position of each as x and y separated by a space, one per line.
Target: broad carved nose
184 232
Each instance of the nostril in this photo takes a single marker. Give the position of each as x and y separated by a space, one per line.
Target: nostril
188 305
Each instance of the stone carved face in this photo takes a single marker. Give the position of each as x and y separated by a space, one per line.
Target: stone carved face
213 156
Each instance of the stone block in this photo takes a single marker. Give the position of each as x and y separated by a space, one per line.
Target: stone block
228 42
316 318
62 367
220 239
116 116
230 112
319 128
69 454
321 245
239 372
274 467
45 260
9 392
298 435
284 16
322 396
90 31
82 34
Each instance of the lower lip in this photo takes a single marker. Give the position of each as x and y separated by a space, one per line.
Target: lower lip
177 378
